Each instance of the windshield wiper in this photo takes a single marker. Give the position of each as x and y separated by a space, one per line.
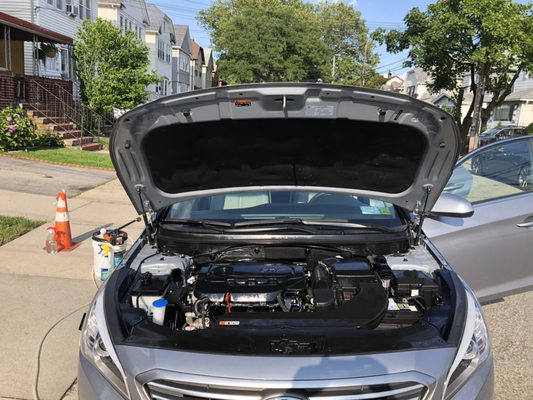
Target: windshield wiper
206 224
338 223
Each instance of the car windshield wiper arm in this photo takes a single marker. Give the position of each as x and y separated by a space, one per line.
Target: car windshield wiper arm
340 223
207 224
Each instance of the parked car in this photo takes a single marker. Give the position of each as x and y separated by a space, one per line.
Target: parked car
284 255
491 250
499 133
508 162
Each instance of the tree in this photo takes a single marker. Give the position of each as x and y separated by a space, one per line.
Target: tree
349 47
289 40
112 67
488 41
265 40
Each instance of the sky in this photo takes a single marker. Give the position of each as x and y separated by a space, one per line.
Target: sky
388 14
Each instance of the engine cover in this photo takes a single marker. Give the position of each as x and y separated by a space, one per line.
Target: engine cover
248 282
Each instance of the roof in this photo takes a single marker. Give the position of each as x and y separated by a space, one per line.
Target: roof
156 16
523 95
140 4
195 50
419 73
26 26
207 54
181 32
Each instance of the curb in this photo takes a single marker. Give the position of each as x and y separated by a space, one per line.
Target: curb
55 162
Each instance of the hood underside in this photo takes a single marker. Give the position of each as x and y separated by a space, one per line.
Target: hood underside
310 137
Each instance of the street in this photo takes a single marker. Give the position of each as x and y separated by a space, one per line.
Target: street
42 178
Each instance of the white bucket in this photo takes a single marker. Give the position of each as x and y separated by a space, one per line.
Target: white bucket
106 256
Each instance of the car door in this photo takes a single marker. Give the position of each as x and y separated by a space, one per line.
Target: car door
493 249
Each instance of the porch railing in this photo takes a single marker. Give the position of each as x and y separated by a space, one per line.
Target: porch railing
61 103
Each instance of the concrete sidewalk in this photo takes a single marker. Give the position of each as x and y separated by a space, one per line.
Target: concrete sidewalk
39 289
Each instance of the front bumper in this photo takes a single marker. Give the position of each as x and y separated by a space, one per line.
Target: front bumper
480 385
93 386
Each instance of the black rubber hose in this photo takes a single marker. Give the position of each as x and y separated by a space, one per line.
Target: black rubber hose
282 303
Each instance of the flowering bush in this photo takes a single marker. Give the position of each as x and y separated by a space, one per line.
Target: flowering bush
18 131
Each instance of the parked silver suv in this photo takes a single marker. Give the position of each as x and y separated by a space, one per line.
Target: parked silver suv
284 256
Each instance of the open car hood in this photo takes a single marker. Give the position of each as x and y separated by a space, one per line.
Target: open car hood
311 137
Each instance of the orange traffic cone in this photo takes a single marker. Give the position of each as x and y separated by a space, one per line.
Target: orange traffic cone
62 228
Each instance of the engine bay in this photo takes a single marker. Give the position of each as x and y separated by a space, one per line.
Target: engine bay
184 295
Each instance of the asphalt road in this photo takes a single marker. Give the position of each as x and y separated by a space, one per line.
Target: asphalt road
46 179
511 326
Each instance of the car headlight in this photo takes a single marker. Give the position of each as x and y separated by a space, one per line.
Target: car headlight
473 350
97 348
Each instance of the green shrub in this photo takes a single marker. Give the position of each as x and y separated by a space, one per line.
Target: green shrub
529 129
48 139
17 130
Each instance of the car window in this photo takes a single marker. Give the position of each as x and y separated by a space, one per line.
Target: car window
240 206
494 171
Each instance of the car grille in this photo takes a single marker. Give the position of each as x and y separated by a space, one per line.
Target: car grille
170 390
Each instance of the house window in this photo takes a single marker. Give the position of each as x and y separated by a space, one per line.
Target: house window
81 9
121 23
59 4
410 90
504 112
51 2
160 50
88 9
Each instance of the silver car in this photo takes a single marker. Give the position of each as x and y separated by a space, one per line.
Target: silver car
284 256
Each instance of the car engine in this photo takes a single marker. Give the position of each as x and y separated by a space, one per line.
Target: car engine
360 292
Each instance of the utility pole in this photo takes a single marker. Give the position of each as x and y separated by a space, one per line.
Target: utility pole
363 68
333 69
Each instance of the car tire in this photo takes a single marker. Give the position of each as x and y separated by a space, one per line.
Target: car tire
524 177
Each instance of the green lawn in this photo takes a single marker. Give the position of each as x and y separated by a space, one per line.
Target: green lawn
13 227
104 140
67 156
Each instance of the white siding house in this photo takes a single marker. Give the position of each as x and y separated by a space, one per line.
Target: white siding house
127 15
160 38
61 16
181 59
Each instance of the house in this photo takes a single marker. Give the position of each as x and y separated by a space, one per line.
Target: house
62 17
394 84
197 60
127 15
207 68
160 37
517 108
41 80
181 60
415 83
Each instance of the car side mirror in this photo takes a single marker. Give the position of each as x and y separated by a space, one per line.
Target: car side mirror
451 205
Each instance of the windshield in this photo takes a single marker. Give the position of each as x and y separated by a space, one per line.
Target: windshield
491 132
286 205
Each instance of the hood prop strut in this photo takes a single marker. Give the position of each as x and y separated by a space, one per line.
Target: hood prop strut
422 214
147 225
